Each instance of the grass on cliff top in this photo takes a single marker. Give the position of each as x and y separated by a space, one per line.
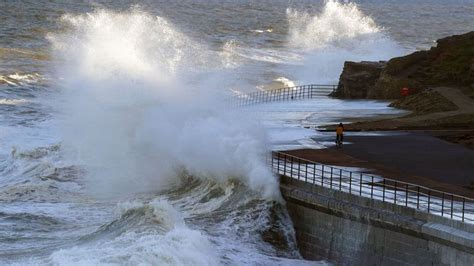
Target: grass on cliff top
453 66
448 64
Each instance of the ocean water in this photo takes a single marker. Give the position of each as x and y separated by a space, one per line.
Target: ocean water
116 142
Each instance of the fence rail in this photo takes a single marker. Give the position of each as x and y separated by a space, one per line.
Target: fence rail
285 94
367 185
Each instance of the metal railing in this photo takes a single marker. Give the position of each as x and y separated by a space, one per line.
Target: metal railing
285 94
375 187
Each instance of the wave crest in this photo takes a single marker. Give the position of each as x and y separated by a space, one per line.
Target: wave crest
335 26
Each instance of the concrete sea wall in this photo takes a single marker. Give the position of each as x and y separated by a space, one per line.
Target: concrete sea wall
351 230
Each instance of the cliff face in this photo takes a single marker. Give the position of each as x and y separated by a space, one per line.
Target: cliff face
357 78
450 63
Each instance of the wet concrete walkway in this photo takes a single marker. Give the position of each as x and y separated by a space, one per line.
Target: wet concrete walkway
409 157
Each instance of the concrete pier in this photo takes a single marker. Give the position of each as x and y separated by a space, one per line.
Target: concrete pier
352 230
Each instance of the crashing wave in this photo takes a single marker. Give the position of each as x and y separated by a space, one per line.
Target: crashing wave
191 224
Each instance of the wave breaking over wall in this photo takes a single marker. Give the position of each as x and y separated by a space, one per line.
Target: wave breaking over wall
140 106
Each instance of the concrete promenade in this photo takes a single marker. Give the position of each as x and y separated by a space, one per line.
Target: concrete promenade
413 157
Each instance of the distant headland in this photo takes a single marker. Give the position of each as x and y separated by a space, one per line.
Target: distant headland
436 85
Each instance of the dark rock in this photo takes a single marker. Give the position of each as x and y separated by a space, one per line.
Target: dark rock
357 78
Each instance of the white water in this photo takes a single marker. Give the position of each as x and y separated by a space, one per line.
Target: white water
339 33
136 110
140 107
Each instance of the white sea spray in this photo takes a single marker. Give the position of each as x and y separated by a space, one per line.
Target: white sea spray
137 109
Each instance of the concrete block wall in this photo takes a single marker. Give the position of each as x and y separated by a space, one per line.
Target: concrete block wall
351 230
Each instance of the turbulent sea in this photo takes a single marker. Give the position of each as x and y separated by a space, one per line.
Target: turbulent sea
117 142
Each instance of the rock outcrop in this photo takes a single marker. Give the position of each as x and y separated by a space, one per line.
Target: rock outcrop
450 63
357 78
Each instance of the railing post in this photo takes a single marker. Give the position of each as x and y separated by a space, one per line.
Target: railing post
418 197
429 196
442 204
291 167
322 175
395 197
452 205
463 203
330 179
406 195
284 166
299 166
340 179
360 185
306 173
314 173
383 191
372 188
350 182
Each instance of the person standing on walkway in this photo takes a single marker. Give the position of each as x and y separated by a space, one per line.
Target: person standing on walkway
339 134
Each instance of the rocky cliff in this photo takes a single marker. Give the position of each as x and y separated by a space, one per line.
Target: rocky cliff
450 63
358 78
